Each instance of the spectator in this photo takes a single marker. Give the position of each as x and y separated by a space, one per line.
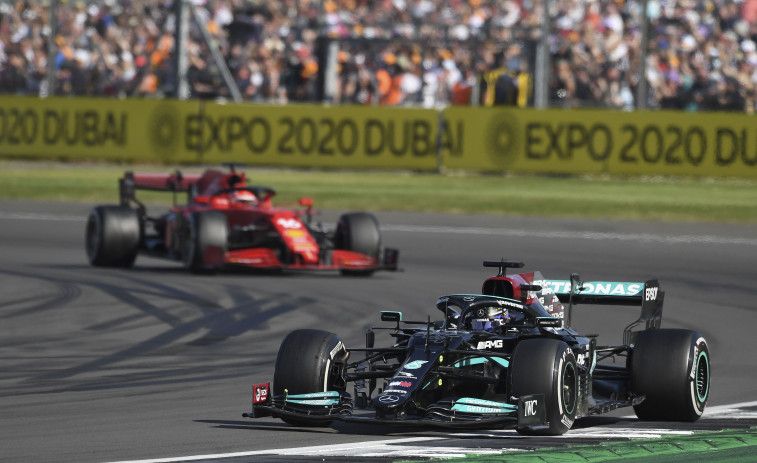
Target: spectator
701 54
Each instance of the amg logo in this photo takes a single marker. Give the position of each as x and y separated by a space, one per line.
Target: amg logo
650 294
497 344
529 407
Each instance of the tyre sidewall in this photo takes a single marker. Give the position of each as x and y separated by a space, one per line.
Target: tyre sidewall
359 232
112 236
699 394
548 367
204 228
304 362
671 368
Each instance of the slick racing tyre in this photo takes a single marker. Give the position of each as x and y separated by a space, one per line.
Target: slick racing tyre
548 367
207 232
672 369
358 232
112 236
307 363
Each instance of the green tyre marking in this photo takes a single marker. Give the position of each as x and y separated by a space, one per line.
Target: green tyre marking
703 377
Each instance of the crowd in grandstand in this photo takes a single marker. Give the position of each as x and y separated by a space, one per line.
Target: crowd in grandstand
701 53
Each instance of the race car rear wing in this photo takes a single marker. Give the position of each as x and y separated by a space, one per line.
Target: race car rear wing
648 295
177 181
131 182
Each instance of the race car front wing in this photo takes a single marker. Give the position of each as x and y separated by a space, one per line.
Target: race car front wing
325 407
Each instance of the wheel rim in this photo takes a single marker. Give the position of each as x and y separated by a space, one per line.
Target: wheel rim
703 377
569 389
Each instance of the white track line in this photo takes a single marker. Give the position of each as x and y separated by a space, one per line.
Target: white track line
586 235
38 216
509 232
404 448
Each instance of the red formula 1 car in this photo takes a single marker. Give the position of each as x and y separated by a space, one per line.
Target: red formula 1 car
227 222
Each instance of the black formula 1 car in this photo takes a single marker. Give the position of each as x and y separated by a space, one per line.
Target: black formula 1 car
505 356
227 222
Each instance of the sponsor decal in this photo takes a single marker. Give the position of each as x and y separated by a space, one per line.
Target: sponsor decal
388 399
496 344
314 402
396 391
289 223
318 402
529 407
475 409
415 364
312 395
406 375
599 288
510 304
488 403
650 294
553 322
400 384
566 421
545 287
260 393
472 405
339 346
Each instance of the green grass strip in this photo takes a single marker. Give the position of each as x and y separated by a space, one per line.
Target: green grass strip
602 197
732 446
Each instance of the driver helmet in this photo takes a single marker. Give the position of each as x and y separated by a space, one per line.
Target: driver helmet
489 318
243 196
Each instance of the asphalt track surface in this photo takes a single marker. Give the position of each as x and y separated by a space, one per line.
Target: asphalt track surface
100 365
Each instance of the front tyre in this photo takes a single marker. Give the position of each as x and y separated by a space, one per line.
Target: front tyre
672 369
309 361
205 241
112 236
548 367
358 232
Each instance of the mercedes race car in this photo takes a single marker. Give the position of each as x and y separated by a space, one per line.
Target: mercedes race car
226 222
507 356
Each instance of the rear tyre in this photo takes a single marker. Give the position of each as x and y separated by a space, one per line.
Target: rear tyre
548 367
207 232
672 369
358 232
306 363
112 236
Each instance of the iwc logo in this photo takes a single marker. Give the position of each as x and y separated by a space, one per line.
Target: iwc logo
504 138
163 129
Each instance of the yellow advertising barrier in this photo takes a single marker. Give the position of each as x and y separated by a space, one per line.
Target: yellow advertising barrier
173 131
596 141
316 136
91 128
460 138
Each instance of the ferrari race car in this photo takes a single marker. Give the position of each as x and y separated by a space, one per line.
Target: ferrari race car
227 222
507 356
